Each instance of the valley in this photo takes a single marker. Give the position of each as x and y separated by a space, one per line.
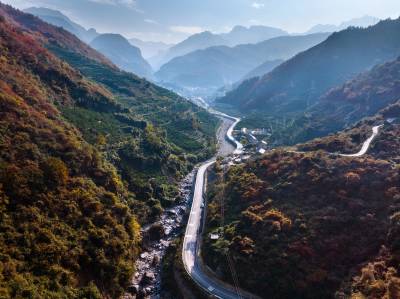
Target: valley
194 233
158 151
147 279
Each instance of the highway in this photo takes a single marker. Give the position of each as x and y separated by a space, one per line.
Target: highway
229 136
191 243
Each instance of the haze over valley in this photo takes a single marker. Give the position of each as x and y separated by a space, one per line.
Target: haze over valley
199 149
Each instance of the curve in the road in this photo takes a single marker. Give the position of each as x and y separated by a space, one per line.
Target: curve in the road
229 133
366 144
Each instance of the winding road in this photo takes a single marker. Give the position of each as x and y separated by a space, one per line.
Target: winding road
191 244
367 143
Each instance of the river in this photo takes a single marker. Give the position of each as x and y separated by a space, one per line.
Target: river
147 279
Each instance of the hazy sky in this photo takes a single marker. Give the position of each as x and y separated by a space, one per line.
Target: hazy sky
173 20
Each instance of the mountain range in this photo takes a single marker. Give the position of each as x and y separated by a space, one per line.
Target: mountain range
345 105
58 19
114 46
238 35
218 66
358 22
299 82
90 152
292 215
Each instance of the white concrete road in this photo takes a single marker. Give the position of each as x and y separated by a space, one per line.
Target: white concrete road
191 243
366 144
229 133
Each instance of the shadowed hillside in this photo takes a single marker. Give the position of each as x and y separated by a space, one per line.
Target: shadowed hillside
298 83
87 151
217 66
344 105
123 54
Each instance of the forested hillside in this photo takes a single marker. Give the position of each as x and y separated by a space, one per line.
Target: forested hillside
66 229
148 132
86 151
345 105
305 222
308 225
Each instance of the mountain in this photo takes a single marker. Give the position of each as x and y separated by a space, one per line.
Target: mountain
263 69
308 225
161 145
251 35
358 22
192 43
150 49
217 66
122 53
58 19
305 222
61 202
113 46
82 161
298 83
238 35
345 105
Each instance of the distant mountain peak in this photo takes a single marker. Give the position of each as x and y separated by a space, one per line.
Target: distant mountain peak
115 37
45 11
238 35
238 27
364 21
121 52
57 18
204 34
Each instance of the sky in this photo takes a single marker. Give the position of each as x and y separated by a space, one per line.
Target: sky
173 20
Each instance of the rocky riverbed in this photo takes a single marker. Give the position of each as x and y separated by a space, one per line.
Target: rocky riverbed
146 282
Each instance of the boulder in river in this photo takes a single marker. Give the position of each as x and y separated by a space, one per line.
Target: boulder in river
148 278
156 231
133 289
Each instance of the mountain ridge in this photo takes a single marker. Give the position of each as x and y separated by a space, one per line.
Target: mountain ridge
223 65
238 35
82 162
58 19
357 22
123 54
298 82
